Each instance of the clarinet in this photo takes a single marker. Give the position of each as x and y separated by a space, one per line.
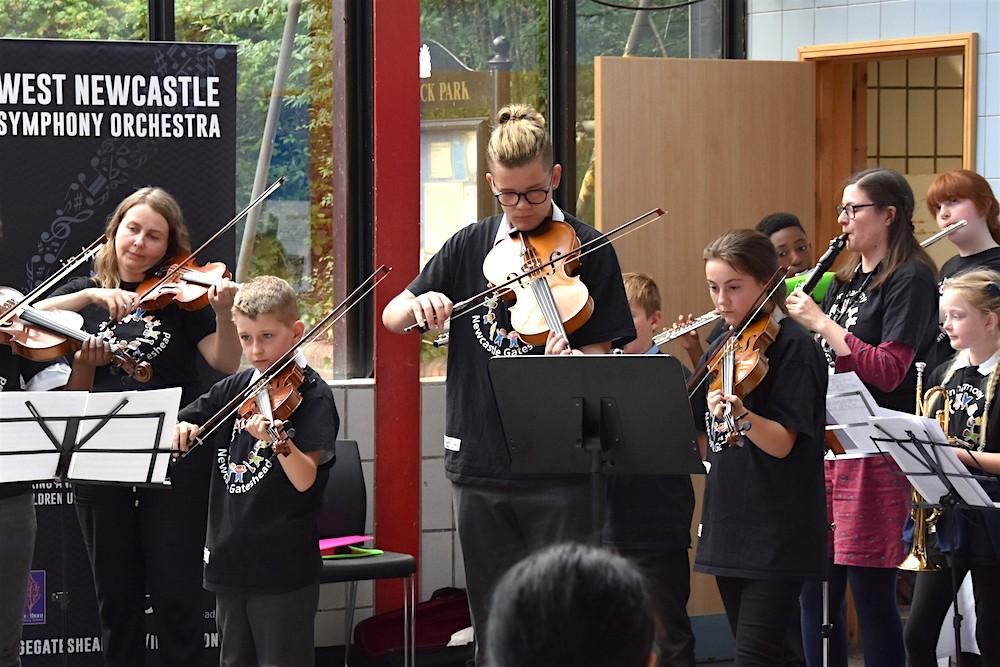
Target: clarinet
837 244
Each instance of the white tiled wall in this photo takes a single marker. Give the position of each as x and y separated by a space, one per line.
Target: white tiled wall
440 555
777 28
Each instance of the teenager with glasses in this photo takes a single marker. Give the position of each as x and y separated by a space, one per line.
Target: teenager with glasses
501 517
876 320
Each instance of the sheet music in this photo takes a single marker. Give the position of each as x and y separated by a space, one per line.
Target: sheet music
849 406
126 431
911 457
120 449
28 436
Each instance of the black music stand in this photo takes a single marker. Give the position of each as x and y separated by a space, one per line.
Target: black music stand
923 454
596 415
102 438
117 438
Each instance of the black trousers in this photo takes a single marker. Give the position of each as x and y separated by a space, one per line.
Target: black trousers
267 629
501 525
759 613
668 578
932 596
147 540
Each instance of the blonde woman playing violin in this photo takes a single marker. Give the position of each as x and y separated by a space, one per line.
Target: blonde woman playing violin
146 538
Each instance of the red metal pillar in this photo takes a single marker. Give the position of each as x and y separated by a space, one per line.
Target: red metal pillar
396 46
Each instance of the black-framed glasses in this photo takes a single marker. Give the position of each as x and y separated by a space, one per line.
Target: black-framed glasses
852 209
533 197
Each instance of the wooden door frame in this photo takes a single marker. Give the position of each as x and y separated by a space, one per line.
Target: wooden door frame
841 138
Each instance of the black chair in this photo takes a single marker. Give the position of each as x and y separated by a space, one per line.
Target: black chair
344 511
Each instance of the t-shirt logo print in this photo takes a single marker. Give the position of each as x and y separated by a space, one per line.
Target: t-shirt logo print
494 338
139 333
255 464
845 311
968 399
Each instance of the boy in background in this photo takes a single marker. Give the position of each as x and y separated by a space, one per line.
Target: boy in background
648 518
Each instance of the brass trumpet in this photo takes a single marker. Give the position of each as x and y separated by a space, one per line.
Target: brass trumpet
923 523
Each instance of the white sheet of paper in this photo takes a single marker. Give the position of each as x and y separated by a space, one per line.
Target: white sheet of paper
124 433
899 426
849 405
27 436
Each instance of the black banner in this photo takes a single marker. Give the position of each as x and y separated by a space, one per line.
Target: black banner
82 125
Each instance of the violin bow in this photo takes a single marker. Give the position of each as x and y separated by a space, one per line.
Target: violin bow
703 370
479 300
180 266
350 301
47 284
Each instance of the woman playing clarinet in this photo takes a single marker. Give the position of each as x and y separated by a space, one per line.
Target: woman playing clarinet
876 320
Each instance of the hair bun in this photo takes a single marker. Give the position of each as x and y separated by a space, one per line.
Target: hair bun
993 290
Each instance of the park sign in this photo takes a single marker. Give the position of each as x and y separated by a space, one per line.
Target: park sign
446 83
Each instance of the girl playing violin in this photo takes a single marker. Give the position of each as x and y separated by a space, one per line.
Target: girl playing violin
763 522
877 318
261 552
144 538
970 310
501 519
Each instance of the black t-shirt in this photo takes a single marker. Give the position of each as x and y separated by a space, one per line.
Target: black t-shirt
262 535
474 442
978 532
987 259
649 511
167 338
13 371
765 517
903 310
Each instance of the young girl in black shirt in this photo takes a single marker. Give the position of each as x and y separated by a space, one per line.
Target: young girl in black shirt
139 538
763 523
964 195
970 309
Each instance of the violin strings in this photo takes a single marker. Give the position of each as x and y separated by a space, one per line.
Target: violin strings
543 295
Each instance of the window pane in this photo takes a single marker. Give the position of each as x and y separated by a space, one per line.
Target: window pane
82 19
296 236
685 32
465 78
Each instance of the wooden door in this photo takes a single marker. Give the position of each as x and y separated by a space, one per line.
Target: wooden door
719 144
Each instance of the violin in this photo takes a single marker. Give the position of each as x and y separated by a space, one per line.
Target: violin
547 259
68 267
277 401
739 363
45 335
275 394
495 290
181 282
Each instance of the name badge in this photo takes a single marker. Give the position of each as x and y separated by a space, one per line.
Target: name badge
452 444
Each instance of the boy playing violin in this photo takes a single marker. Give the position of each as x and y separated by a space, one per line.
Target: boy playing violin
262 556
501 517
